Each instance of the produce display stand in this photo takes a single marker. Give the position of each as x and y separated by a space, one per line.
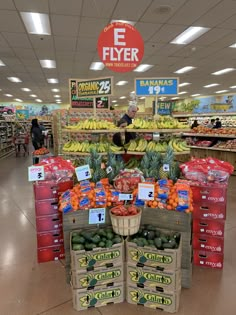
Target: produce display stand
7 131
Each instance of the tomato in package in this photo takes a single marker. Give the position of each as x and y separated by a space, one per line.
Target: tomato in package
128 180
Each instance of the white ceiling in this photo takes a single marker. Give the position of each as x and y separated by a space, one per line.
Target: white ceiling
76 25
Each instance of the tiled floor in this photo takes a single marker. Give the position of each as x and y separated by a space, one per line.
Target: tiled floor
27 288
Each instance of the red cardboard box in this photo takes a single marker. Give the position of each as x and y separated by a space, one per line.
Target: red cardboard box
45 190
210 194
208 259
212 211
50 238
63 186
209 227
46 207
208 243
49 222
51 253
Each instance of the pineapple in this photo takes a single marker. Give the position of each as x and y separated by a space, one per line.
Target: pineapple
167 160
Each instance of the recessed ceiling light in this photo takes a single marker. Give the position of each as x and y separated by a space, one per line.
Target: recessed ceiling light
233 46
8 95
175 98
189 35
124 21
143 68
184 84
55 90
195 95
132 92
233 87
33 95
97 66
52 80
183 92
18 100
114 101
222 91
46 63
36 23
185 69
56 96
2 64
210 85
38 100
121 82
142 98
223 71
122 97
14 79
25 89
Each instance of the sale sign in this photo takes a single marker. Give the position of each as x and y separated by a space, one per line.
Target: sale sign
120 47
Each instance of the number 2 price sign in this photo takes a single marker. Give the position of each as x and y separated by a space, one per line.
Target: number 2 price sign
83 172
146 191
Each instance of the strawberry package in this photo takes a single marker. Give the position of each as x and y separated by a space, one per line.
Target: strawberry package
127 180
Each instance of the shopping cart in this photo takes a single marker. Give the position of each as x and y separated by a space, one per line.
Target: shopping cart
21 142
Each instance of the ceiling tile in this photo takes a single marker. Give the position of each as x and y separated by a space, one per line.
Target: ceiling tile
91 27
147 30
10 22
130 12
24 53
68 7
98 8
17 40
167 33
65 43
7 5
229 23
11 61
42 42
32 6
216 34
87 44
63 25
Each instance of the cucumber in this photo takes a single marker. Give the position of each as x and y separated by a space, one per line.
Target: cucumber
77 246
110 235
96 239
117 239
158 243
89 246
101 244
108 244
101 233
151 235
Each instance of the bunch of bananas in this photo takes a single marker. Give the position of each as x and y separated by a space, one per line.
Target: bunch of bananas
137 145
86 147
93 124
167 122
178 145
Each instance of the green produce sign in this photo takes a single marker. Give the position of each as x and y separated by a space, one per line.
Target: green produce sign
94 87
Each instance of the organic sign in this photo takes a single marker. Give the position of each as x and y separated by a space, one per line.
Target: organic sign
156 86
120 47
94 87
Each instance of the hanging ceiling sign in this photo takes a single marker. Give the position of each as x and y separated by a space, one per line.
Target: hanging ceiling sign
156 86
95 87
120 47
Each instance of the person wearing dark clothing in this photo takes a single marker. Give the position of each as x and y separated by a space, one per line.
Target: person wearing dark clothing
36 134
195 124
217 124
124 122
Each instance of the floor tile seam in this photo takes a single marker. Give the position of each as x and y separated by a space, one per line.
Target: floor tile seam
54 307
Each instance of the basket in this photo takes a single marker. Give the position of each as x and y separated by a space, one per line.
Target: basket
126 225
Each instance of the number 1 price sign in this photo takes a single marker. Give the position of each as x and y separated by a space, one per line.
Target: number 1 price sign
146 191
83 172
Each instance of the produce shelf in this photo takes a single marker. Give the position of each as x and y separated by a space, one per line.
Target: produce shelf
203 115
143 153
209 135
213 149
87 153
92 130
158 130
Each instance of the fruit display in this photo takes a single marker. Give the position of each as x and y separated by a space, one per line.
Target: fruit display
220 131
58 169
87 146
92 124
127 180
163 122
121 210
100 238
41 151
230 144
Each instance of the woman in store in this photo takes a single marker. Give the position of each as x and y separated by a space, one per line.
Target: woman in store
36 134
195 124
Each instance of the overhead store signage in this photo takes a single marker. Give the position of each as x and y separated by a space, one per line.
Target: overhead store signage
156 86
94 87
164 107
22 114
120 47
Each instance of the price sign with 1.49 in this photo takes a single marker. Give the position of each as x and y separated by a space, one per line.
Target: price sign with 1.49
83 172
36 173
146 191
97 216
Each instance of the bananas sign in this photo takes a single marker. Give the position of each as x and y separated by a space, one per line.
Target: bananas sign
156 86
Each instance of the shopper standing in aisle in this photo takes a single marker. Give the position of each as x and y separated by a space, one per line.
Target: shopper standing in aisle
194 124
211 123
36 134
124 122
217 124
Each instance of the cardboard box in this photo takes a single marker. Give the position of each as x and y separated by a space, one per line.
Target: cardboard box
212 211
209 227
84 299
148 277
49 222
51 253
208 243
167 259
168 302
50 238
208 259
45 190
212 193
46 207
100 276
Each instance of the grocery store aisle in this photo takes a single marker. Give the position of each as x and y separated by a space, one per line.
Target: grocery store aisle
27 288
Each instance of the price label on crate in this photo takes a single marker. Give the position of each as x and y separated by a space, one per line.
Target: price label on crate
97 216
83 172
125 197
146 191
35 173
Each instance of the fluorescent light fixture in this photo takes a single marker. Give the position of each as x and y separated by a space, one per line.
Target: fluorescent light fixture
184 84
222 91
183 92
185 69
195 95
132 92
38 100
14 79
97 66
143 68
2 64
122 97
52 81
211 85
114 101
233 46
55 90
46 63
223 71
36 23
116 105
189 35
33 95
175 98
233 87
18 100
142 98
25 89
121 82
56 96
8 95
124 21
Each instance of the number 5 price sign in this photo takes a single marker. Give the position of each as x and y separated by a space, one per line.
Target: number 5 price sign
146 191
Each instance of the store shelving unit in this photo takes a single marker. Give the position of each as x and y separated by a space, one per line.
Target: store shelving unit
7 129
